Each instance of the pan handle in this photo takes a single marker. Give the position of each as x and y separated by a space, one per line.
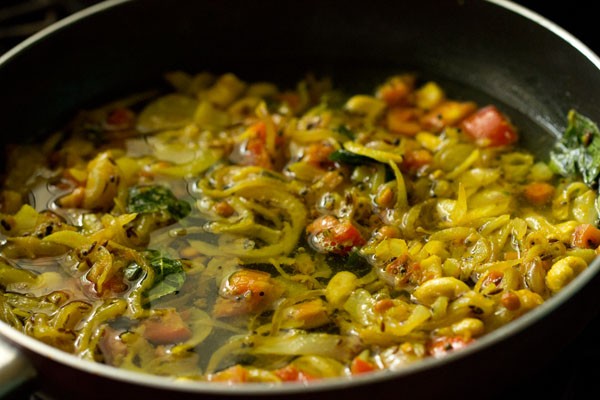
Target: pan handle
15 369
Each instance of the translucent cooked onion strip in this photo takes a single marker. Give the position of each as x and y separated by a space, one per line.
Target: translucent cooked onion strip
290 231
235 345
245 222
278 315
378 155
470 160
89 333
401 194
298 343
199 164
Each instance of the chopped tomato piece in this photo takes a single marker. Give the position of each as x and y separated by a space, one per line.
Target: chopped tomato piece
403 120
403 270
494 277
307 315
254 150
257 154
329 234
317 154
235 374
166 327
447 113
360 366
445 344
416 159
260 128
397 89
586 236
538 193
246 291
290 373
488 127
119 119
111 346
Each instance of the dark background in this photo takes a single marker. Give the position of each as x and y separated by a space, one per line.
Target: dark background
575 16
21 18
574 373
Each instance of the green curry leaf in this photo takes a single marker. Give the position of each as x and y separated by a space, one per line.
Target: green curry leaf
156 199
169 275
348 157
578 151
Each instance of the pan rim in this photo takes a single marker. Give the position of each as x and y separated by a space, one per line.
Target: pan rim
56 26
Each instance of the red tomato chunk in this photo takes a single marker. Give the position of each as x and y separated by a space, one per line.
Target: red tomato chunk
329 234
488 127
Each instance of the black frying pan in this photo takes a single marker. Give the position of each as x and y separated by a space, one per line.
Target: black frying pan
482 50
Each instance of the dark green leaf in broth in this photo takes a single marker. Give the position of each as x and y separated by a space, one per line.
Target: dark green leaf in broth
348 157
578 151
169 275
156 198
